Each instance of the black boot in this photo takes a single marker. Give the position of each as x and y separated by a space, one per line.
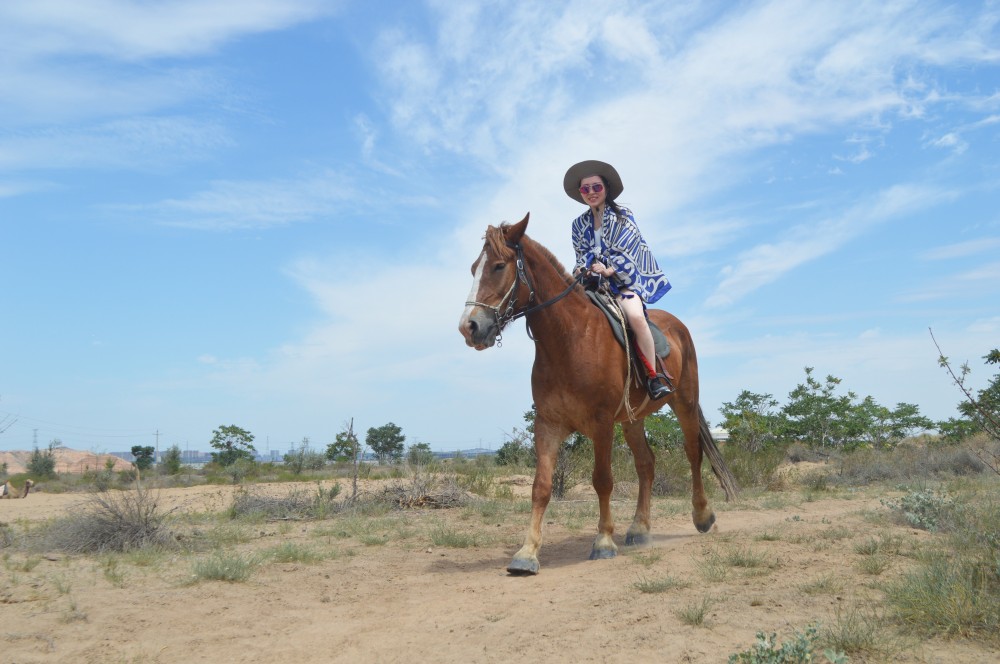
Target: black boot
658 388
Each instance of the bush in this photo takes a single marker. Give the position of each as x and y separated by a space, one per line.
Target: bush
114 521
297 504
922 509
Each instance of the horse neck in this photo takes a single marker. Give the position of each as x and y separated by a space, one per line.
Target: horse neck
562 320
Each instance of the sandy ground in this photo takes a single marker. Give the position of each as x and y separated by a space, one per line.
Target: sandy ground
407 600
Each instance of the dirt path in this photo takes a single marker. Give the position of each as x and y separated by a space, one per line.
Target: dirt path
407 600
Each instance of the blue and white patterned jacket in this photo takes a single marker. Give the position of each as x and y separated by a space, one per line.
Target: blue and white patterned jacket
623 248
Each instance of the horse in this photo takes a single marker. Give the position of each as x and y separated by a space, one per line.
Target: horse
580 383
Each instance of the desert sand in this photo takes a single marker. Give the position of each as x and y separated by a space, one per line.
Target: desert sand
396 597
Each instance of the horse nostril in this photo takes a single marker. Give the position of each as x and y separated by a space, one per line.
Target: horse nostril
473 327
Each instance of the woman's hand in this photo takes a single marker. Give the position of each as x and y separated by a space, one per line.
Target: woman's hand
601 269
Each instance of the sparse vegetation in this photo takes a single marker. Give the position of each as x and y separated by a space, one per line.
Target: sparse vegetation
111 521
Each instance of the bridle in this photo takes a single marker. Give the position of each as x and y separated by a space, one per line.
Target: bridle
509 315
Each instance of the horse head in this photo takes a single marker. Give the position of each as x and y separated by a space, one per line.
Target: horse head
492 301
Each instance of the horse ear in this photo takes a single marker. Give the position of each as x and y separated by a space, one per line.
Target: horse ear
515 232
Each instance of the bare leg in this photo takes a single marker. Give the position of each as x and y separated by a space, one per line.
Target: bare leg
632 307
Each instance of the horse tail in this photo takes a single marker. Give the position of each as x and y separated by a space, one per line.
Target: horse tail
719 466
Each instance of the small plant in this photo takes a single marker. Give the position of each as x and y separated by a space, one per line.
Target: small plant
825 585
442 535
694 614
114 574
648 558
922 509
662 585
289 552
219 567
798 651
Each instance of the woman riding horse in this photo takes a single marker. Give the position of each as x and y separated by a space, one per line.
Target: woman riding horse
608 244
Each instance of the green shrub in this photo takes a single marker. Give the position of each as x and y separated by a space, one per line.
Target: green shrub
798 651
922 509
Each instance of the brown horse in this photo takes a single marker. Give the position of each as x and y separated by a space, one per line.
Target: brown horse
579 383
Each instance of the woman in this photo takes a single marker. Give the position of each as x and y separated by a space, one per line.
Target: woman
608 243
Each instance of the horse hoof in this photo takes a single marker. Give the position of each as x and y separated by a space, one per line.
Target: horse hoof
523 567
705 527
602 554
637 539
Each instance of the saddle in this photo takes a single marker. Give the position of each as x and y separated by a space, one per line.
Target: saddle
604 302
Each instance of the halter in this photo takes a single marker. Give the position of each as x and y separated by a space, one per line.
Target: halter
509 315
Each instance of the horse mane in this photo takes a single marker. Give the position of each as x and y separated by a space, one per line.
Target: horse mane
496 236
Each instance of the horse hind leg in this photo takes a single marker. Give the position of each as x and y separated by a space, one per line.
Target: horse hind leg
635 435
690 421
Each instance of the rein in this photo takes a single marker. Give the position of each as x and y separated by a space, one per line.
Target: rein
509 315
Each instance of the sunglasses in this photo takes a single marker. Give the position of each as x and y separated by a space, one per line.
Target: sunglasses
585 189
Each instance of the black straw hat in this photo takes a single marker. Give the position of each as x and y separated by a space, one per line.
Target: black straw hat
585 169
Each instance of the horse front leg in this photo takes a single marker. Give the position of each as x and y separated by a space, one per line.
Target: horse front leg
604 545
635 436
548 440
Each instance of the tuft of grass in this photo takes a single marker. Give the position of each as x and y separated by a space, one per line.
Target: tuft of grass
694 614
825 585
713 568
747 558
647 558
233 568
862 631
114 574
444 535
661 585
290 552
874 565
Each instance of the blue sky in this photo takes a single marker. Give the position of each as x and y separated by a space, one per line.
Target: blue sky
263 212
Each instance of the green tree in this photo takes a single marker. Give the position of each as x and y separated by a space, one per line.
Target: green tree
517 451
344 448
752 421
386 442
170 462
881 428
816 416
419 454
143 455
233 444
43 464
663 431
980 411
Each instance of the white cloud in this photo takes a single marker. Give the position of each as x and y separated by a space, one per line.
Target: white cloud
768 261
129 30
963 249
230 205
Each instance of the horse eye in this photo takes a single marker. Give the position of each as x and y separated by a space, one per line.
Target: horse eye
499 266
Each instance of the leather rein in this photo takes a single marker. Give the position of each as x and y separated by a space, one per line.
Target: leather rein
509 314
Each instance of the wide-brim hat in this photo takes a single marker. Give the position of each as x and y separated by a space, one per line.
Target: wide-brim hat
585 169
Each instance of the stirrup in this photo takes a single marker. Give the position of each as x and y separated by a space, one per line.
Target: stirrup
658 387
